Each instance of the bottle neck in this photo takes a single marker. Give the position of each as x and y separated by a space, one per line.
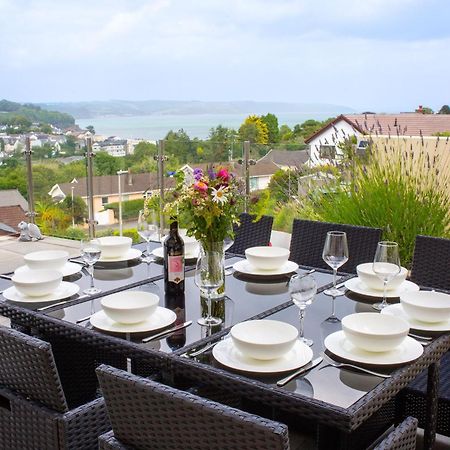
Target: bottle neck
174 227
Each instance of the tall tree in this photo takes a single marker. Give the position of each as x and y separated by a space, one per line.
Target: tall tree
444 110
271 121
254 130
105 164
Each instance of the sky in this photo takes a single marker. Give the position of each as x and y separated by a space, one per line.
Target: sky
377 55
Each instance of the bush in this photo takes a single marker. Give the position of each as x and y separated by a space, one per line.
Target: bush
130 208
75 233
401 190
130 232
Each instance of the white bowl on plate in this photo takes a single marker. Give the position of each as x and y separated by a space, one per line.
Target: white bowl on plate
114 246
46 259
426 306
267 258
37 283
130 306
264 339
369 278
374 332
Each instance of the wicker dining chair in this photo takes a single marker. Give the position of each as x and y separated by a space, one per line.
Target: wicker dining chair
35 414
251 233
403 437
430 256
308 238
148 415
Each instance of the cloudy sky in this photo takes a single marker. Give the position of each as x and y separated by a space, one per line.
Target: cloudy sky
382 55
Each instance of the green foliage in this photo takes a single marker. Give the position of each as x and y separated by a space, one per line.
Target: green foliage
142 161
445 109
105 164
284 184
79 208
271 122
75 233
284 217
442 133
129 232
400 191
424 110
254 130
130 208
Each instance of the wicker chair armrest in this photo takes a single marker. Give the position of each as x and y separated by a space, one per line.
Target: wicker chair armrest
80 427
403 437
107 441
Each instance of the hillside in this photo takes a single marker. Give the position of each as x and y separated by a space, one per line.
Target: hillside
12 113
86 110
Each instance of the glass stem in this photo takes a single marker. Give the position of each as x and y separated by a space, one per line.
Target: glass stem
302 317
209 304
148 248
332 306
334 277
91 273
384 292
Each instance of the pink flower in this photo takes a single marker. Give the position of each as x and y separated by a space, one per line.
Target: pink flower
200 186
223 173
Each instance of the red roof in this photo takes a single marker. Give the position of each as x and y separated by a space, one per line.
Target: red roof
12 215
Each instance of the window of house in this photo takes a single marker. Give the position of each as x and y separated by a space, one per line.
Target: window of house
327 151
253 183
104 200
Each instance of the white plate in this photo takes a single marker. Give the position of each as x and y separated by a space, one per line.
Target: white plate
133 253
159 253
161 318
358 287
228 355
65 290
408 351
68 269
397 310
245 267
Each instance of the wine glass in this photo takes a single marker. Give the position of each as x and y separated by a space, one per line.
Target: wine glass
208 277
90 252
335 254
148 230
386 265
227 243
302 288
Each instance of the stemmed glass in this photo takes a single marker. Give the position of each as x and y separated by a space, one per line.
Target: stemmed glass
209 277
386 265
302 288
148 230
227 243
335 254
90 252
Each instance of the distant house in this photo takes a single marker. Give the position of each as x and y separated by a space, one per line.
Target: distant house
285 159
13 208
324 144
106 190
112 146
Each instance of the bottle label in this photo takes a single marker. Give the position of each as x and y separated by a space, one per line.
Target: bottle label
176 269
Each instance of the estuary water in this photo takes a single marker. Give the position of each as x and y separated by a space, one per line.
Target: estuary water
154 127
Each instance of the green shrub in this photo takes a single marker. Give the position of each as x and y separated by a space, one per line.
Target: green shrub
130 208
399 190
130 232
75 233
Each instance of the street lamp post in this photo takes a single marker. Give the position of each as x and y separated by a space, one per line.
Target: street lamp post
119 173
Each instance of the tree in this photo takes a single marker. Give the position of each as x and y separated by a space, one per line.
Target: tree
180 145
105 164
424 110
91 129
254 130
222 143
444 110
271 121
79 208
285 133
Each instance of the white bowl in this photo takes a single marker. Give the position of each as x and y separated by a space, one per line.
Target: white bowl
46 259
267 258
264 339
130 306
374 332
114 246
369 278
426 306
37 283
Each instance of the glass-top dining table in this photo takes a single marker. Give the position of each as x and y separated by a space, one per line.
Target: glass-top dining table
348 406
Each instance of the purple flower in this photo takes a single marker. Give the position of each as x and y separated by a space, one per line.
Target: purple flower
198 174
211 174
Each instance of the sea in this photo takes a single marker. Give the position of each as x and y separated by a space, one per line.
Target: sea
154 127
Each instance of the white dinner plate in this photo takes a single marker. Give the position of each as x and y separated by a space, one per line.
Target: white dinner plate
358 287
65 290
408 351
159 253
68 269
161 318
397 310
246 268
133 253
228 355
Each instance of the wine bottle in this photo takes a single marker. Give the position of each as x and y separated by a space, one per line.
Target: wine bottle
176 303
174 261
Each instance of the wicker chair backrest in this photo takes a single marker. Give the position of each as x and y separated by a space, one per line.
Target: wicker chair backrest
431 256
250 233
27 366
403 437
147 415
308 239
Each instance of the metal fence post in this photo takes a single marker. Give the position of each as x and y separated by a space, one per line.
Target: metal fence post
161 158
90 187
31 213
